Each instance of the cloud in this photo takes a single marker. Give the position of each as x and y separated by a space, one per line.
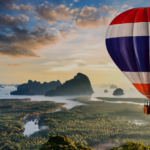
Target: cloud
76 0
63 34
24 8
112 10
104 21
104 8
74 11
111 65
65 68
10 5
92 17
52 28
6 20
71 4
99 67
91 22
24 42
51 16
84 18
72 31
50 63
14 65
94 67
79 61
88 11
7 4
125 6
130 7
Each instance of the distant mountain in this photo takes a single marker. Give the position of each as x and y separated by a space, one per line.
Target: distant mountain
113 86
105 85
118 91
24 91
79 85
38 88
105 91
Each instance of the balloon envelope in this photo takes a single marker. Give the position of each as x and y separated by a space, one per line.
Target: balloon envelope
128 43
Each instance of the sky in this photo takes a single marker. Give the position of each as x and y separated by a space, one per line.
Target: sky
49 40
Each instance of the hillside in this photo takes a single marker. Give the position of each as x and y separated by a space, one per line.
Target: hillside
79 85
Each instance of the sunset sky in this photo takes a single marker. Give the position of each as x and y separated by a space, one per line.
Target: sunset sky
55 39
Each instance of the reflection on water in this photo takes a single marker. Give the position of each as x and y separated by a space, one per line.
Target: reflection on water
119 102
58 99
31 124
138 122
99 92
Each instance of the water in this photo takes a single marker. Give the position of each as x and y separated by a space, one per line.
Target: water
31 123
98 92
5 94
128 93
137 122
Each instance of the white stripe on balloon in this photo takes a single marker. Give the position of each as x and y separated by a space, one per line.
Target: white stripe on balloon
128 30
138 77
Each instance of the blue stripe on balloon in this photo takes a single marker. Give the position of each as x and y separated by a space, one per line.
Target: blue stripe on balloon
130 54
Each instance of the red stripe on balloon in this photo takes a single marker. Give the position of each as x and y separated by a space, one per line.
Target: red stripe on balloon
130 17
141 15
148 13
143 88
133 16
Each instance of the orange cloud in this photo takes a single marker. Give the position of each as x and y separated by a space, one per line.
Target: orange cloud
86 23
63 34
51 16
6 20
24 43
14 65
88 11
90 17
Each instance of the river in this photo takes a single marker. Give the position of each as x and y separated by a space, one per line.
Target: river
31 123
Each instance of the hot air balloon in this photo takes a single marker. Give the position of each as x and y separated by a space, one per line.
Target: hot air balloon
128 44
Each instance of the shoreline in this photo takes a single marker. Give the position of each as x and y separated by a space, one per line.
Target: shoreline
38 114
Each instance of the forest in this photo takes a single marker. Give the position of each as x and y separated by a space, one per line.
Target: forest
98 122
90 124
11 128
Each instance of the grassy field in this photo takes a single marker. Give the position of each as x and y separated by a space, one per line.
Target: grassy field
11 128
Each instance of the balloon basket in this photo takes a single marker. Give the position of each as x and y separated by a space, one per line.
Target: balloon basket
147 107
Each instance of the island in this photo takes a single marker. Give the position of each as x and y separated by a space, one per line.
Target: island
113 86
105 91
118 91
24 91
79 85
38 88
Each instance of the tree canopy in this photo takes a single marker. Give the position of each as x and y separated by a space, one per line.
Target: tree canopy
131 146
62 143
